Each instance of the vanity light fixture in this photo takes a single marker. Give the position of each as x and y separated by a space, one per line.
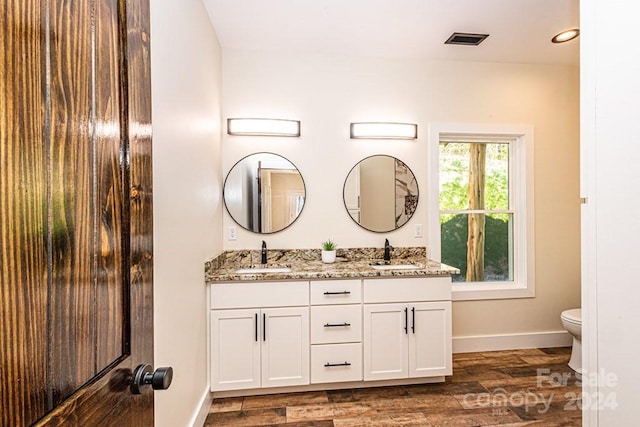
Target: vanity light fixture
263 127
566 36
382 130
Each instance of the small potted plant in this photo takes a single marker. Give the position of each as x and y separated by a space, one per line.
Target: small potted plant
328 251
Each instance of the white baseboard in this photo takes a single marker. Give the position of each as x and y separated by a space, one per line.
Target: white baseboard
511 341
327 386
200 416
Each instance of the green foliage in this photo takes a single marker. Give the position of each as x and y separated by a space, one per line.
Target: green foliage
454 233
454 176
329 245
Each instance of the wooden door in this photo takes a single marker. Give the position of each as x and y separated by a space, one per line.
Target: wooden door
235 349
430 339
75 212
385 341
285 346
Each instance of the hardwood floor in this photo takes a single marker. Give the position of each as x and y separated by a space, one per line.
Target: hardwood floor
532 387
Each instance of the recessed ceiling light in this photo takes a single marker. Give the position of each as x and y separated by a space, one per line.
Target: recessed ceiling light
566 35
466 39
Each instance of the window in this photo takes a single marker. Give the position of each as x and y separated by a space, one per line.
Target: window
481 208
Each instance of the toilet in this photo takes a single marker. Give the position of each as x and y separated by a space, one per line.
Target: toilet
572 322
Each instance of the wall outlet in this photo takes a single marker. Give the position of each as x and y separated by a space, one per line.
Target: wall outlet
417 230
233 233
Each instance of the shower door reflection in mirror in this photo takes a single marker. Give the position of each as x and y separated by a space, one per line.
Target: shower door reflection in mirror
264 193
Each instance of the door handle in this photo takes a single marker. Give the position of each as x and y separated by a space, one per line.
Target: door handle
256 327
264 326
413 320
406 320
335 325
143 377
332 365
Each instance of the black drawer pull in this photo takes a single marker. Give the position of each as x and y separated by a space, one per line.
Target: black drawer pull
331 365
336 325
338 293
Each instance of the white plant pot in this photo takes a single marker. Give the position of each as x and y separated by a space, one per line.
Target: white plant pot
328 256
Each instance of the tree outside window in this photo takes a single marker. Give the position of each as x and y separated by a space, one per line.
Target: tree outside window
476 216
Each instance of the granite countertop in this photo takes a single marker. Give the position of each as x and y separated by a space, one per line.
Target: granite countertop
305 264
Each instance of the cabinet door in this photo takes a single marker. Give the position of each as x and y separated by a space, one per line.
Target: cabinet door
385 341
285 346
235 349
430 339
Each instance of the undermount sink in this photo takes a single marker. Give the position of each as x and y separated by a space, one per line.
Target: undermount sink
265 269
381 265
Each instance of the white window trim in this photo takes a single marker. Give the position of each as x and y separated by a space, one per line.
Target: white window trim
521 137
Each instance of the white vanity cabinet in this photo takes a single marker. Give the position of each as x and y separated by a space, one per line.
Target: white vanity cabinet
301 335
407 328
265 344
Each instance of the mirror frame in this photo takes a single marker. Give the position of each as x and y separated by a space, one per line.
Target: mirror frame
224 187
345 186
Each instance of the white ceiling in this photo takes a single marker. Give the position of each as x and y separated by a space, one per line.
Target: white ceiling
520 30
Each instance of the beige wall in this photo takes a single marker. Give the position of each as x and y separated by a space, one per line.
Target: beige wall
186 83
328 92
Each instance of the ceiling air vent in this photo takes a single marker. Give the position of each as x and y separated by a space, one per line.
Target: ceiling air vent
466 39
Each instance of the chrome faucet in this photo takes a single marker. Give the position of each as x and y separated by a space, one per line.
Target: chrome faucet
387 250
264 252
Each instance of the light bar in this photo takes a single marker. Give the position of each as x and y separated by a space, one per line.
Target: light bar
263 127
384 130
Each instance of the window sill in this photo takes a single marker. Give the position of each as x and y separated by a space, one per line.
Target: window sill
490 290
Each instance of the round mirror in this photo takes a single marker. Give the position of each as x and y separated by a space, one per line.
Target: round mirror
381 193
264 193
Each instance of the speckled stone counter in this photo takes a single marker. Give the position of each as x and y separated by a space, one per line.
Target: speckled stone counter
307 264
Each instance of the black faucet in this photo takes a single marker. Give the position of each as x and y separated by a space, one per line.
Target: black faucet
264 252
387 250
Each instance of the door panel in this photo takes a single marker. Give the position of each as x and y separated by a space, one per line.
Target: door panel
235 349
385 342
75 212
72 327
430 339
285 347
109 194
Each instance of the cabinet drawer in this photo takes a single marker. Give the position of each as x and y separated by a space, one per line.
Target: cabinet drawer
336 292
336 363
407 289
259 294
336 324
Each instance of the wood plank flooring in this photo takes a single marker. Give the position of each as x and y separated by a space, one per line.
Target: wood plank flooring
532 387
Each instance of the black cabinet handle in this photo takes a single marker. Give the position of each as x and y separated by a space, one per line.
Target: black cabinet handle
406 320
335 325
413 320
331 365
264 326
338 293
256 327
